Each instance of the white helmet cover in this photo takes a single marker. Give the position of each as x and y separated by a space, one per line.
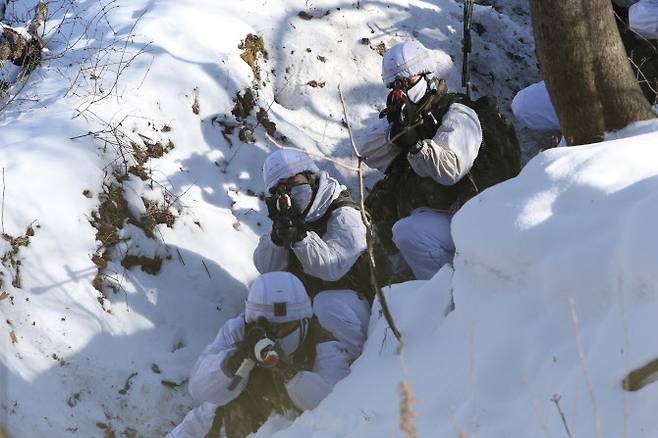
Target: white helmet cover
279 297
411 58
284 163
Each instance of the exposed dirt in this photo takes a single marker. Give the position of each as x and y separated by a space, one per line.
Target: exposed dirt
253 50
156 214
196 109
113 213
227 128
128 384
10 259
150 265
244 104
265 121
315 84
151 149
107 430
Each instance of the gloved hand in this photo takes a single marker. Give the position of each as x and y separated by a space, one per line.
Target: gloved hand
403 137
245 349
286 370
287 230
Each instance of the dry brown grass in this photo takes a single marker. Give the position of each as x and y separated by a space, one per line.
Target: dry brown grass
407 412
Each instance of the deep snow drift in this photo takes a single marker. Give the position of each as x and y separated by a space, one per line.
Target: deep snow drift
577 224
121 127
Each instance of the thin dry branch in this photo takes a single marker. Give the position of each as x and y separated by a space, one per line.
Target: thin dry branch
556 399
312 154
641 73
366 222
581 356
39 18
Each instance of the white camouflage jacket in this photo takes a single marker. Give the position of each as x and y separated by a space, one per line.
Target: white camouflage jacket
643 18
209 380
446 158
329 257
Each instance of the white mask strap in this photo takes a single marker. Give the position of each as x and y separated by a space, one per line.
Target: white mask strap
417 92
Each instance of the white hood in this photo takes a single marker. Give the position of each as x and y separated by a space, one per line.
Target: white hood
328 190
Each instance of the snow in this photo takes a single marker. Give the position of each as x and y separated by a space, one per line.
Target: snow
576 223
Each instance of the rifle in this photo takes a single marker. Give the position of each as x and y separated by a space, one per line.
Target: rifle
466 46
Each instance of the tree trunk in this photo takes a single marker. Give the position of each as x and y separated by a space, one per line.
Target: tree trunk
587 74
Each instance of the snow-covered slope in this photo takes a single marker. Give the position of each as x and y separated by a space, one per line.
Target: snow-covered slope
577 226
123 152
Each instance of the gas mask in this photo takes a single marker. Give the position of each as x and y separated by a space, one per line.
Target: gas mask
418 91
291 342
294 200
403 101
301 197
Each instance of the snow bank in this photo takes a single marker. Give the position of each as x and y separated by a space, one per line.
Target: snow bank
577 223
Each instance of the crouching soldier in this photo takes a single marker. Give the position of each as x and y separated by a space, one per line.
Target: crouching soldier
427 143
318 235
274 358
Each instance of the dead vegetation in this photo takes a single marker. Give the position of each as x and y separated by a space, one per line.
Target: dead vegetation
244 104
150 265
196 109
254 53
112 215
22 51
407 410
133 157
264 120
642 376
143 154
10 259
156 214
253 50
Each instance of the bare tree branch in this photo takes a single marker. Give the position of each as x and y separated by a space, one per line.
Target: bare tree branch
368 224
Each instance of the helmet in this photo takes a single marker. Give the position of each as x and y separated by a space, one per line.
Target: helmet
411 58
279 297
284 163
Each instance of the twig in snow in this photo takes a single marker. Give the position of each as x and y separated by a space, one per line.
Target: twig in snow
312 154
581 356
358 170
556 399
180 257
406 403
206 268
366 222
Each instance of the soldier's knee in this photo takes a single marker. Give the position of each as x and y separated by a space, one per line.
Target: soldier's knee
404 233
